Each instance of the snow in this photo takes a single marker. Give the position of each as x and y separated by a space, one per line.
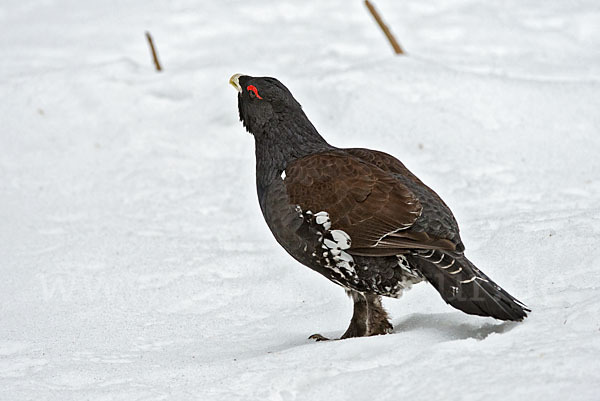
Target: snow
135 262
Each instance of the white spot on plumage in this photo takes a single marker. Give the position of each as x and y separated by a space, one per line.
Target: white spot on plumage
323 219
335 246
345 256
283 175
403 263
341 238
330 244
344 265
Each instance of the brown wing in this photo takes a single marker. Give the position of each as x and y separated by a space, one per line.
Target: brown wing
383 161
369 204
436 219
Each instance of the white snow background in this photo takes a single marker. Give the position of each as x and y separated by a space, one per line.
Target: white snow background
135 263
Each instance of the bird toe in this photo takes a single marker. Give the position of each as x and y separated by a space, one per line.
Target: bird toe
318 337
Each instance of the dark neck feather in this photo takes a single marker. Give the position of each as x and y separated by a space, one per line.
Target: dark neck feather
281 142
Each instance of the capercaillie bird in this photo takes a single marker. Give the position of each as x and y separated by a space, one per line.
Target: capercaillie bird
357 216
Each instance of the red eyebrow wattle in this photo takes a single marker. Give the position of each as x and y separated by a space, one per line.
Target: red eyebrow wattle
253 89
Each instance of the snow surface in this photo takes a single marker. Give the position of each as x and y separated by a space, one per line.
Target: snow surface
135 262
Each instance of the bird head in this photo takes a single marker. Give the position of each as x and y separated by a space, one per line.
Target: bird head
263 102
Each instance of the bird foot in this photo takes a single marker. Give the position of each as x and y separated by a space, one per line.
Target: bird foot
318 337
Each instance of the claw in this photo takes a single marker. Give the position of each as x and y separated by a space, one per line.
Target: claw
318 337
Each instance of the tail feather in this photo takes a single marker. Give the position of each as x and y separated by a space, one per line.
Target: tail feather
465 287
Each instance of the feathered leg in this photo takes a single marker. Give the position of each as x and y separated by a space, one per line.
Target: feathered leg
358 323
377 320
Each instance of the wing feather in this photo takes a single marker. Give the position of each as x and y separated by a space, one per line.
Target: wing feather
372 206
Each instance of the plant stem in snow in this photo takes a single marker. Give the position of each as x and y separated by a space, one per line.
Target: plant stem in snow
154 55
384 28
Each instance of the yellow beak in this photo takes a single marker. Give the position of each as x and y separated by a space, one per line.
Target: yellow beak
235 81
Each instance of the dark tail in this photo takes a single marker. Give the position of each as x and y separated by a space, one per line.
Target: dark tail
465 287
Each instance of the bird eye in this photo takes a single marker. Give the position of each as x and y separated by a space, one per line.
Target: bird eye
253 92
